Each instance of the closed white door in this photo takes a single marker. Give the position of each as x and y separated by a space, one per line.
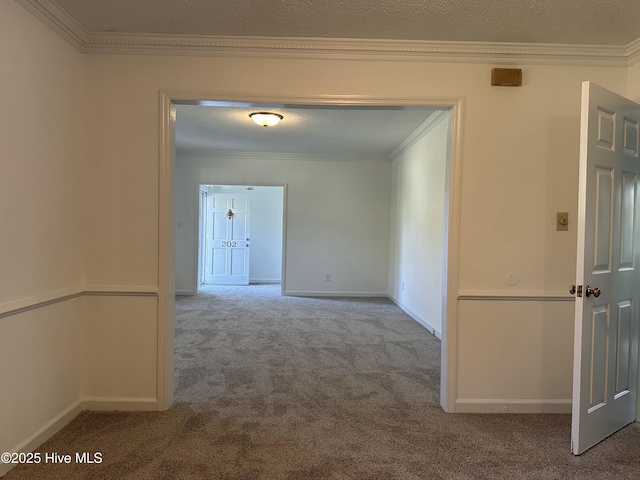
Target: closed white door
608 284
227 239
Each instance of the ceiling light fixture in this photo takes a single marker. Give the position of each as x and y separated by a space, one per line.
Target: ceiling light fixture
266 119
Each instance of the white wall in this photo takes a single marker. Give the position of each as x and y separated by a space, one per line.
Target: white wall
337 216
265 262
518 144
418 225
519 166
634 82
40 227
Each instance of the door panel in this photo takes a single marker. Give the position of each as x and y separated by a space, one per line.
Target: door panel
598 357
238 264
604 202
628 216
606 328
625 324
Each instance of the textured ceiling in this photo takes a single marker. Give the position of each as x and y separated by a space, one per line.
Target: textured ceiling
348 131
586 22
374 132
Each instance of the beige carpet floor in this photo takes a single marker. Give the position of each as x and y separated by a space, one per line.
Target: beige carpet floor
272 387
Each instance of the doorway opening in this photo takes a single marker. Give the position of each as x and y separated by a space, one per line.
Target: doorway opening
240 235
169 180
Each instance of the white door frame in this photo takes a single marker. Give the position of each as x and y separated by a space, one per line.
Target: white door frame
166 222
200 240
284 222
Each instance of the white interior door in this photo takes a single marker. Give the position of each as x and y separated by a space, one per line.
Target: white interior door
608 286
227 239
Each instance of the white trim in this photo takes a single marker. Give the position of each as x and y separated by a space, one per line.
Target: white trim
44 433
266 281
123 404
186 154
516 295
15 307
58 20
120 290
335 294
449 335
526 405
166 251
356 49
190 97
283 269
429 124
333 48
417 318
185 293
37 301
633 52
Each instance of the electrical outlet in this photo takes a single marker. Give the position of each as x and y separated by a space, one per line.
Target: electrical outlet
402 285
327 277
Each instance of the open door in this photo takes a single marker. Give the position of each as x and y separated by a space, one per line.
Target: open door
605 374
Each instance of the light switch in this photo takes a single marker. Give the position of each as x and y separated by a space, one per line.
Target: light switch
562 221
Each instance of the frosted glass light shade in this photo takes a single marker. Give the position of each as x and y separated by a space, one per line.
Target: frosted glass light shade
266 119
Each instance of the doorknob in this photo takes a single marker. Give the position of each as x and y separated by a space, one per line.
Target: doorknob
592 291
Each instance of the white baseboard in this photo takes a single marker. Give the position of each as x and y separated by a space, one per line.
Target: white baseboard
417 318
122 404
265 280
54 425
496 405
43 434
335 294
185 292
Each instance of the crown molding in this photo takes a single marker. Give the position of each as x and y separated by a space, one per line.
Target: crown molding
58 20
633 52
428 125
356 49
332 48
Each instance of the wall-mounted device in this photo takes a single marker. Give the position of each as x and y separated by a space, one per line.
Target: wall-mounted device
506 77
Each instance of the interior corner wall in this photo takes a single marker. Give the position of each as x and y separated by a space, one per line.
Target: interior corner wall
337 217
40 223
418 216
